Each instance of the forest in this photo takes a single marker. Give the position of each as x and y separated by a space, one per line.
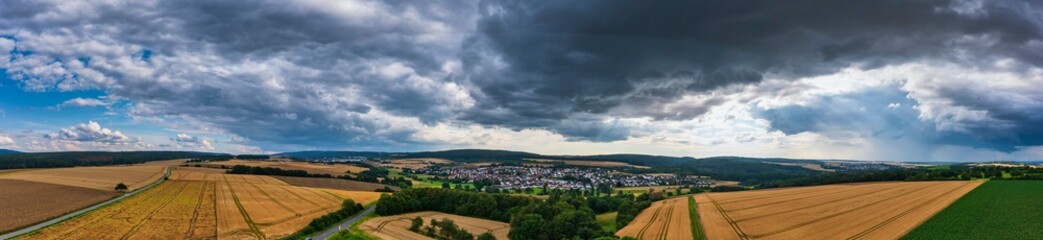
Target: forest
563 215
77 159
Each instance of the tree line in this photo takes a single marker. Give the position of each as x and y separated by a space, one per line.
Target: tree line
348 208
78 159
954 172
563 215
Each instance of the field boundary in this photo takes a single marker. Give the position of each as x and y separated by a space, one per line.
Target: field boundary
694 222
906 212
735 226
59 219
253 226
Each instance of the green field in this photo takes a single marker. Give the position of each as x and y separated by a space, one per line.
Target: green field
693 215
608 221
997 209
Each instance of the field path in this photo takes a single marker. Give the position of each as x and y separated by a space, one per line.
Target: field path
57 220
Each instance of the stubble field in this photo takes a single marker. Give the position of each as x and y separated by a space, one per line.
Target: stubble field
101 178
397 226
25 203
199 204
843 211
313 168
666 219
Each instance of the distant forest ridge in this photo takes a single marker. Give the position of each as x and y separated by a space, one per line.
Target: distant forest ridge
73 159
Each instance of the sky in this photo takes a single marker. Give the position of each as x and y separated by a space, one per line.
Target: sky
893 80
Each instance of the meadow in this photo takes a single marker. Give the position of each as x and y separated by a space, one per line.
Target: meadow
998 209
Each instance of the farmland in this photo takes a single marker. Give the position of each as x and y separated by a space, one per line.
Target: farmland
331 183
25 202
199 203
397 226
101 178
995 210
414 163
312 168
867 211
666 219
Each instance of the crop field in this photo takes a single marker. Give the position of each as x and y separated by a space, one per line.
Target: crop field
101 178
995 210
841 211
397 226
313 168
200 204
666 219
168 211
332 183
25 203
414 163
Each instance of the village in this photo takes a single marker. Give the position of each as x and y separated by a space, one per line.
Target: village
529 177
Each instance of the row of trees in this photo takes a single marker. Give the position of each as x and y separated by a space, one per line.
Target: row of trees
243 169
562 215
348 208
75 159
445 229
955 172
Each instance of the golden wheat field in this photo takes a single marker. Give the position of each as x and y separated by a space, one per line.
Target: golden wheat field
842 211
666 219
101 178
202 204
397 226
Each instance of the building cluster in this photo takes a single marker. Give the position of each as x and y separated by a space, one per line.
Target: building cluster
523 177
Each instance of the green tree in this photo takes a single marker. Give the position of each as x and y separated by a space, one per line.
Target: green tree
486 236
121 187
417 223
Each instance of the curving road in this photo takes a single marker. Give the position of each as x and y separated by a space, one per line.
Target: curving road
56 220
346 224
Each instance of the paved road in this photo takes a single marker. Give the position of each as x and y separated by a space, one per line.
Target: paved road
81 211
346 224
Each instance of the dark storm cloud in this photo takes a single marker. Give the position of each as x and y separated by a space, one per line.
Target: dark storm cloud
333 73
544 61
887 114
308 73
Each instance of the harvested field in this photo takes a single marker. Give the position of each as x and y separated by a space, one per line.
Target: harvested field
25 203
332 183
218 175
101 178
414 163
841 211
666 219
397 226
313 168
726 183
203 204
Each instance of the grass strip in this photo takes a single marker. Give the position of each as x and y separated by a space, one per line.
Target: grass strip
693 215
